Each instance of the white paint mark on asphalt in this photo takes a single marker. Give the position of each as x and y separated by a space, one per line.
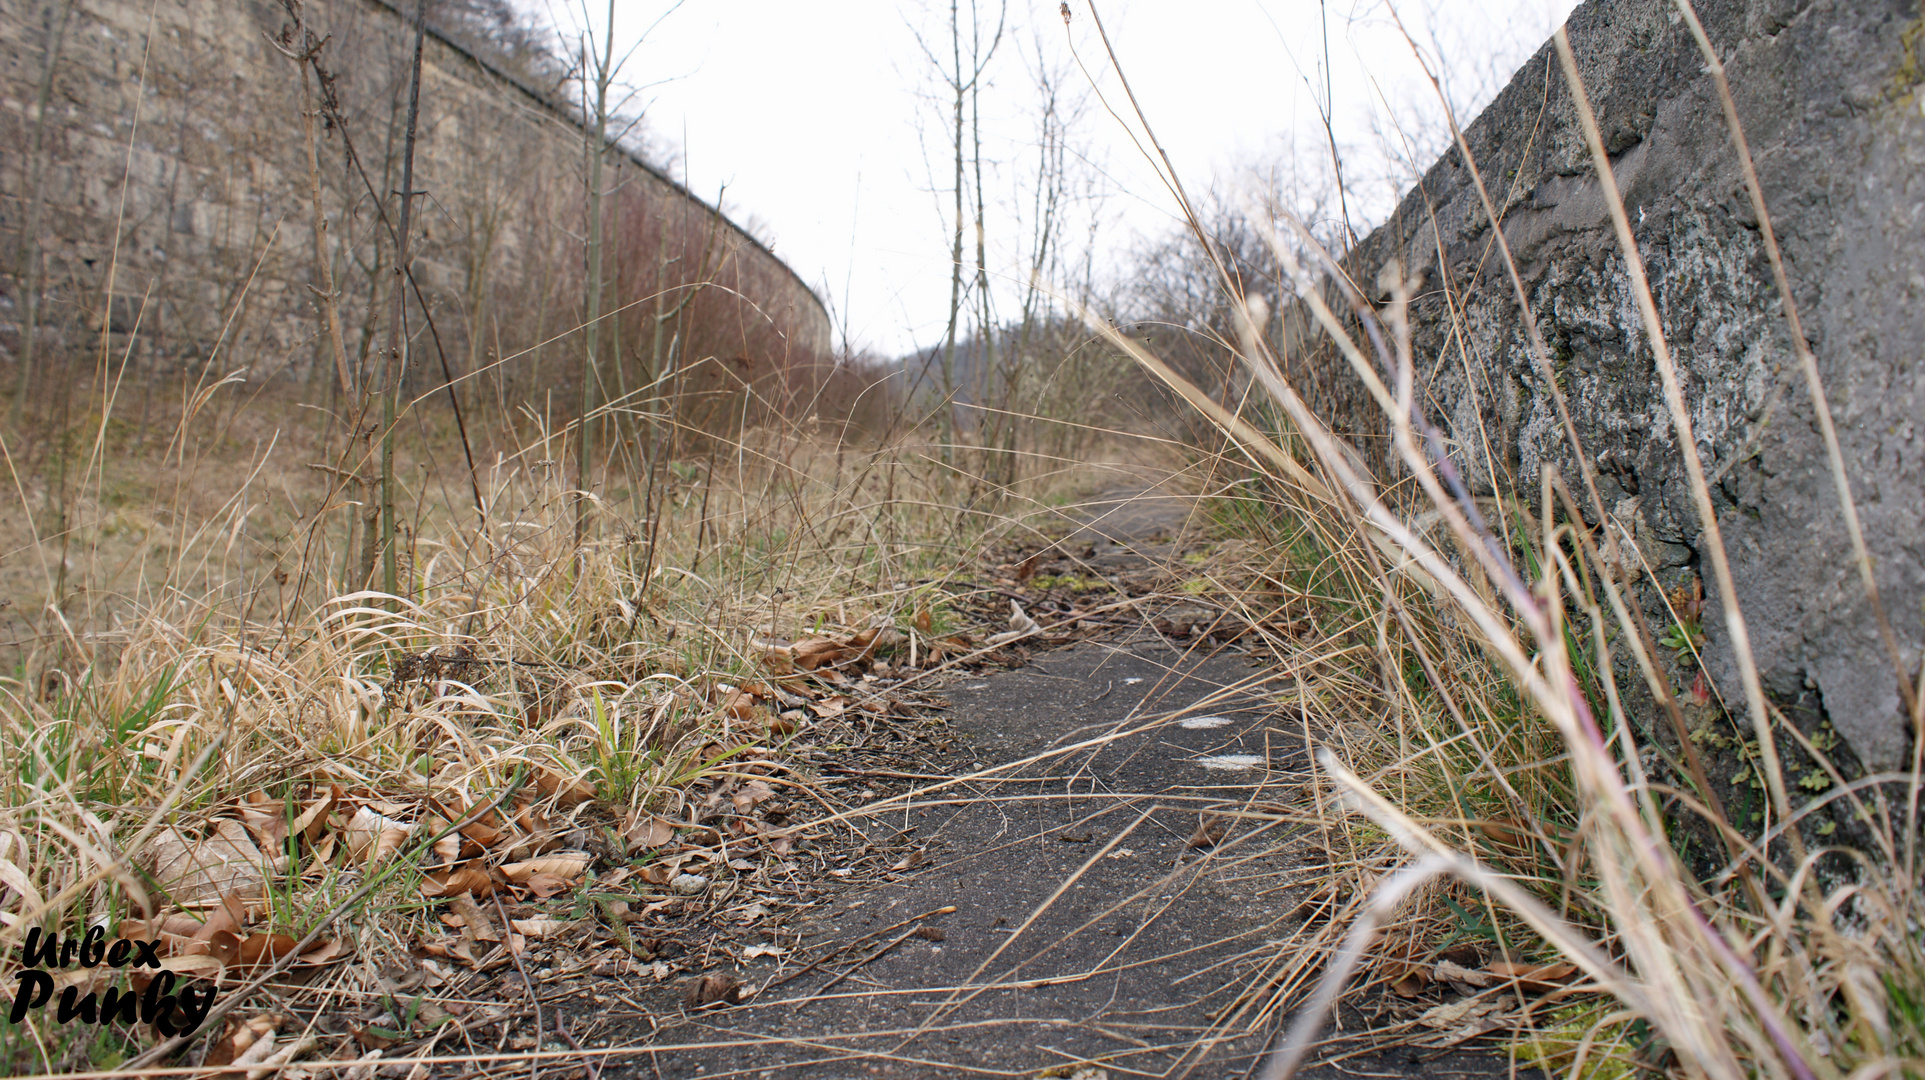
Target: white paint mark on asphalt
1230 762
1203 723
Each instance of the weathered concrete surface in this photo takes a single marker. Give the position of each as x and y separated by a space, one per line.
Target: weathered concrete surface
1829 91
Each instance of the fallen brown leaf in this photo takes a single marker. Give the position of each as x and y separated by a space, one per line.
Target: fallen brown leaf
567 866
1507 835
1450 971
1538 977
571 792
544 886
240 1035
268 822
323 952
539 928
264 948
313 819
749 794
475 923
648 831
811 654
373 836
470 879
226 861
1453 1013
712 989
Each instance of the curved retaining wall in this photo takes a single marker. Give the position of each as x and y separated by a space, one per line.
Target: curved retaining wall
201 115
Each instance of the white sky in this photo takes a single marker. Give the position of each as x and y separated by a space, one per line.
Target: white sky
823 118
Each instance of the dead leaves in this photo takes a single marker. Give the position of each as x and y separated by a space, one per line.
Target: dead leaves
256 1041
824 654
468 880
1466 1019
549 875
567 793
222 944
227 860
1020 626
1409 975
646 831
1492 994
751 793
473 922
715 988
1477 1014
921 644
1539 978
373 836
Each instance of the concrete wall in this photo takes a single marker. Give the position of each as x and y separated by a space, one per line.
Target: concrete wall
1829 91
200 117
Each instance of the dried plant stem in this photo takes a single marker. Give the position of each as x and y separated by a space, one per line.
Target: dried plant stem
323 264
1310 1017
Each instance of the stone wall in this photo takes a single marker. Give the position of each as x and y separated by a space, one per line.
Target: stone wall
172 152
1829 92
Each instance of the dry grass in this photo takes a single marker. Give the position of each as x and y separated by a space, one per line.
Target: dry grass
198 651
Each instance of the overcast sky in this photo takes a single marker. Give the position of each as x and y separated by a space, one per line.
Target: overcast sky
825 119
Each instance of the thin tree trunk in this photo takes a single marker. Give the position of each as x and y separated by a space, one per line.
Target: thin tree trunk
946 425
395 362
590 372
986 315
323 266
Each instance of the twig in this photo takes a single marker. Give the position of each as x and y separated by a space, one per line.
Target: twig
847 945
853 968
534 996
590 1070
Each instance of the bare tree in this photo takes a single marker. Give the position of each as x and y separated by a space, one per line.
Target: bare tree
961 84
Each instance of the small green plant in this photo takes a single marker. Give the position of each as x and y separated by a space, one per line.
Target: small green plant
622 759
1685 637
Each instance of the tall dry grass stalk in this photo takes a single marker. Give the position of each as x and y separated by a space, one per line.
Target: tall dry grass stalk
1510 725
